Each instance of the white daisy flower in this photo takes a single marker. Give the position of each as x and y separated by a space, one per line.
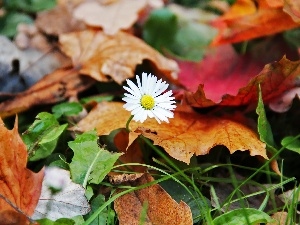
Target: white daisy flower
149 99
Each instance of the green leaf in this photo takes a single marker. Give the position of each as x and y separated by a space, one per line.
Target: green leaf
293 145
57 160
42 136
89 192
90 163
9 23
293 37
192 39
102 217
263 126
29 5
67 109
62 221
160 29
238 217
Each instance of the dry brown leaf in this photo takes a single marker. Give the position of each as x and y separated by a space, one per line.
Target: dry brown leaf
188 133
100 55
132 154
162 209
111 17
18 184
281 218
58 20
55 87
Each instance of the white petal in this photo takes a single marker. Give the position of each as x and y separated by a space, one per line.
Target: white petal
139 84
166 105
132 96
159 117
130 100
130 106
129 90
134 88
139 115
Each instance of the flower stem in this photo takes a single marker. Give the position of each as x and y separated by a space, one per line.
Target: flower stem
127 123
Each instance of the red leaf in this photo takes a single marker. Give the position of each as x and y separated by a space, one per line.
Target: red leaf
222 72
274 79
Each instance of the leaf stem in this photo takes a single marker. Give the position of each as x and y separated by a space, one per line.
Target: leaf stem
127 123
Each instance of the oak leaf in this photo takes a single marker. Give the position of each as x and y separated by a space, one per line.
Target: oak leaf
112 17
188 133
162 209
102 56
54 87
18 184
275 79
246 21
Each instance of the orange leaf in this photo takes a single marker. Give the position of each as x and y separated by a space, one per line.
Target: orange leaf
132 154
275 79
18 184
162 209
55 87
187 133
246 21
102 56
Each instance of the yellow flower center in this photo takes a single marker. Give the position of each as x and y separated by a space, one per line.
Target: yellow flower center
147 102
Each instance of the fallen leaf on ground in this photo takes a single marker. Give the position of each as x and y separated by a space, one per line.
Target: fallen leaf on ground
103 57
234 71
280 218
188 133
292 8
161 208
67 203
275 79
18 184
55 87
112 17
245 20
58 20
20 69
131 154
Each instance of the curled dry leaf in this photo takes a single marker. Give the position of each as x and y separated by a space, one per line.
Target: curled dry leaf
18 184
55 87
188 133
100 55
58 20
112 17
245 20
292 8
161 210
275 79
